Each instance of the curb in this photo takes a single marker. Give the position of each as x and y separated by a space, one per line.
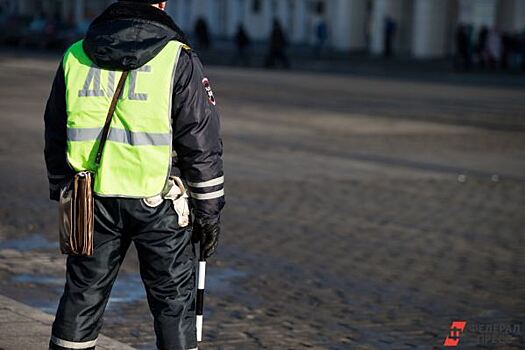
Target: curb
24 327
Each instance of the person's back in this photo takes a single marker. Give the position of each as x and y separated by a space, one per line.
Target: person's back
322 32
494 46
242 43
203 35
278 38
241 38
165 128
277 47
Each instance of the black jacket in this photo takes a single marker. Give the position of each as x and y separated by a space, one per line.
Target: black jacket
126 36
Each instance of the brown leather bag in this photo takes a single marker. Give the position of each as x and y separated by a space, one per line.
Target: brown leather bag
77 204
76 215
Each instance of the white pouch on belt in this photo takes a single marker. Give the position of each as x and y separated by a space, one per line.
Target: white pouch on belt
179 197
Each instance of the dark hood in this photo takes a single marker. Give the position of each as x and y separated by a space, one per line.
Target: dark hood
128 35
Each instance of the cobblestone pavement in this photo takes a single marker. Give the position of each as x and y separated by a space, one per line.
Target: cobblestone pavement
362 213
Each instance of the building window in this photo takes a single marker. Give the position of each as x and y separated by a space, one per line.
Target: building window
256 6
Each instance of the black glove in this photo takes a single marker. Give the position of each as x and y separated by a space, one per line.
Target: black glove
208 233
56 186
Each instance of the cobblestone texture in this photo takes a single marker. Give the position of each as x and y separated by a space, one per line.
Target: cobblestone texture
362 213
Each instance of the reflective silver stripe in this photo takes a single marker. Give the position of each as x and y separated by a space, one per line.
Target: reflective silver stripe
133 138
84 134
205 196
210 183
72 344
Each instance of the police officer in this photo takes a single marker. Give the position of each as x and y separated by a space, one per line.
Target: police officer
166 125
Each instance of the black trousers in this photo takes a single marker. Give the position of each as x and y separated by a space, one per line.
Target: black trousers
167 267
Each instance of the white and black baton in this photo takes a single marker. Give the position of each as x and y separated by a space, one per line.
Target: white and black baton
200 292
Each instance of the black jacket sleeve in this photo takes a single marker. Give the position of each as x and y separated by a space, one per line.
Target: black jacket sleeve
55 119
196 138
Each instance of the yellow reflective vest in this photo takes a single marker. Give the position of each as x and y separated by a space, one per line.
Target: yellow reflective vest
136 160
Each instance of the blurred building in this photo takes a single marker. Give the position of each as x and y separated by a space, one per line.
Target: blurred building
422 28
75 11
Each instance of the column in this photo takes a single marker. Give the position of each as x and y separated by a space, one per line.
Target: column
429 28
211 11
187 14
236 13
260 23
78 11
348 24
519 15
218 12
281 13
299 33
348 30
377 32
205 8
511 15
401 12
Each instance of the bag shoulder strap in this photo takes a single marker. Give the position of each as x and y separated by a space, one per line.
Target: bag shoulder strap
109 117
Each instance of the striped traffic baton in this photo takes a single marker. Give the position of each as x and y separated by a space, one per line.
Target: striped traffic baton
200 291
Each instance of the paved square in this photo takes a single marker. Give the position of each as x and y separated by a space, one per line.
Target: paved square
362 213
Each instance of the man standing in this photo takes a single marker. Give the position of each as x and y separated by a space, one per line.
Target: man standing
165 126
278 45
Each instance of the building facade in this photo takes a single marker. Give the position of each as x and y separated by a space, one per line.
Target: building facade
423 28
